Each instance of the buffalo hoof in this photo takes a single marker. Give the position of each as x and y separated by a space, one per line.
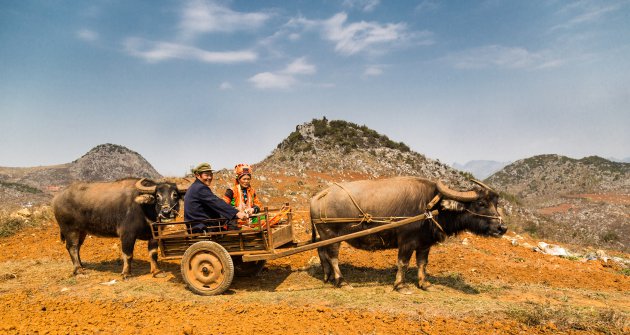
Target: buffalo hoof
327 278
345 286
404 290
341 283
426 286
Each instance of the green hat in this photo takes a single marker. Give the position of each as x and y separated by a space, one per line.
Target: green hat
203 167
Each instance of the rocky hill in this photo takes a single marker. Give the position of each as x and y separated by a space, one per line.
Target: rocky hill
321 152
343 148
105 162
583 201
553 175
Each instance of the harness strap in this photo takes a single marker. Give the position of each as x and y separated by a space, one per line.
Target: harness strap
366 217
485 216
430 216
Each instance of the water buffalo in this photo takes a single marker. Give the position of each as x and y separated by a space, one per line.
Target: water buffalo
122 208
376 200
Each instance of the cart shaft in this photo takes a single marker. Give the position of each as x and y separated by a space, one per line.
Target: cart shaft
250 258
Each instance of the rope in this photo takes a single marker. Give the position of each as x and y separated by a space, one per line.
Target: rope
485 216
369 218
366 217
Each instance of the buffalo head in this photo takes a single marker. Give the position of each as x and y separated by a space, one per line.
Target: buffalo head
477 209
164 195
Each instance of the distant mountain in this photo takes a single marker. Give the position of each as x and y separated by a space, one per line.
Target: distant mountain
105 162
481 169
622 160
552 175
582 201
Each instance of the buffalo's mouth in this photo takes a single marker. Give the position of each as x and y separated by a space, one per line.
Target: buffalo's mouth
167 213
498 231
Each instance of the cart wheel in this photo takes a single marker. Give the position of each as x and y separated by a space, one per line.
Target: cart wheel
207 268
247 269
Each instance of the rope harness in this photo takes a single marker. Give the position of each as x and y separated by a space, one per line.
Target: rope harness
171 209
366 217
485 216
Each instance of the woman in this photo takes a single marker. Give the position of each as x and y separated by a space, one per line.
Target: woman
242 196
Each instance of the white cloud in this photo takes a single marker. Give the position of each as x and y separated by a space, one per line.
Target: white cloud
351 38
373 71
285 78
225 86
361 36
364 5
268 80
201 16
496 56
87 35
299 66
586 11
161 51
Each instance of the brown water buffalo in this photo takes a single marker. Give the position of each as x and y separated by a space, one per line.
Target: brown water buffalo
474 210
122 208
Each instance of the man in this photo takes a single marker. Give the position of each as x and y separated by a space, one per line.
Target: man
201 204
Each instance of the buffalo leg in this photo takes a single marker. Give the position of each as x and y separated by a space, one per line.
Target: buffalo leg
73 243
333 254
324 260
153 256
127 244
404 255
422 259
82 236
331 257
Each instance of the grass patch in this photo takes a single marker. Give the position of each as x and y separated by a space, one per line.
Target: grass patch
564 318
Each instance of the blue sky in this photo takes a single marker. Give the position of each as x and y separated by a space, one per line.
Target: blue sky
182 82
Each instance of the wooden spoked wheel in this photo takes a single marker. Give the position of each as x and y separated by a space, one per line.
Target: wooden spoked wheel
207 268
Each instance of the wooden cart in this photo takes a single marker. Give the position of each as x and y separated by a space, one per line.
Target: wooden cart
211 259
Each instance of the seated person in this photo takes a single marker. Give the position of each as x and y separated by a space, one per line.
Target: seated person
242 195
201 204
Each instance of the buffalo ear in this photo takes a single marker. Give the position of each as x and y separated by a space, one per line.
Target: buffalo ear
452 205
145 199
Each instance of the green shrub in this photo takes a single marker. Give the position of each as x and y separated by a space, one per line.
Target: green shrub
21 187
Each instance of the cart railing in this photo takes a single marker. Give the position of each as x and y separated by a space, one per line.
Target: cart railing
273 229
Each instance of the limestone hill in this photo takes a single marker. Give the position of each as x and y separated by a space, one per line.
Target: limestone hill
105 162
552 175
584 201
343 148
321 152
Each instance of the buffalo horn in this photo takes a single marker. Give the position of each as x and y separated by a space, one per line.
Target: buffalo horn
144 189
456 195
483 185
182 188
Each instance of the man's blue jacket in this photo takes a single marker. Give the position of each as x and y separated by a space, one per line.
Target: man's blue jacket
201 204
